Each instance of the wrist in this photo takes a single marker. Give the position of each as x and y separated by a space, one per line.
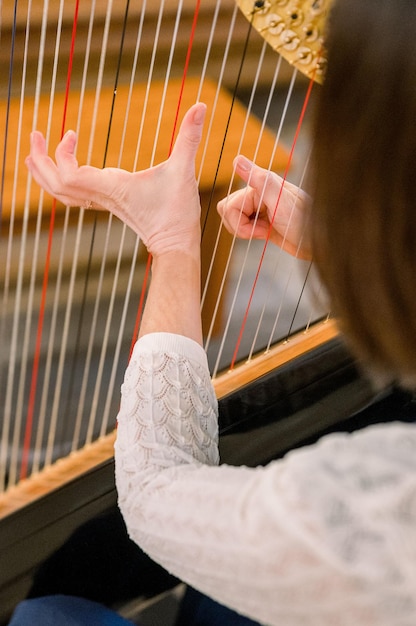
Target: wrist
186 242
173 303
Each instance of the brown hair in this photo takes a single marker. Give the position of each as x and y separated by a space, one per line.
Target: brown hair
363 226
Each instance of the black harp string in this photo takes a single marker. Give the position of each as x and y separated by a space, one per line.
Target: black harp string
289 332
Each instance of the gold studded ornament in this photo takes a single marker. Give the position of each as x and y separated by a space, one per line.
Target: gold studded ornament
294 28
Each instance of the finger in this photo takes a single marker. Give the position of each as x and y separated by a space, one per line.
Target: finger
245 227
189 136
47 173
235 211
65 151
93 181
252 174
233 199
41 166
73 177
245 201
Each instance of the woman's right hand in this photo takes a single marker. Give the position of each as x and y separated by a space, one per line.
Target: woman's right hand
268 208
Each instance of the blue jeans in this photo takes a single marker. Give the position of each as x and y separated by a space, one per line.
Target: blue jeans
65 611
199 610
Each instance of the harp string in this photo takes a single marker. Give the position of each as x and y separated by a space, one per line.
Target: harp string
231 182
4 450
227 126
28 327
185 72
42 412
106 335
80 410
6 421
274 279
51 343
299 125
71 288
90 344
229 258
184 75
208 52
35 370
3 176
246 255
9 90
23 371
165 86
139 141
94 227
248 113
210 124
302 291
299 300
168 70
220 76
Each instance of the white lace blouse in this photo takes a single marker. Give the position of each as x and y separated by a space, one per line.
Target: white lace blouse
324 537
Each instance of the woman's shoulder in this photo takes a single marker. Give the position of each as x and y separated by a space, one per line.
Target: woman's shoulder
362 460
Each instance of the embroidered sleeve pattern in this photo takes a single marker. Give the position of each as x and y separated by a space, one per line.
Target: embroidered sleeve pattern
168 413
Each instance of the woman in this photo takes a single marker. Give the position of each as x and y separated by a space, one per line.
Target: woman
328 534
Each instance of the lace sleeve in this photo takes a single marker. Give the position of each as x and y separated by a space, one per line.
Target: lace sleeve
325 536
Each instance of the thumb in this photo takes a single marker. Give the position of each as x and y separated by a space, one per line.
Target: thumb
189 136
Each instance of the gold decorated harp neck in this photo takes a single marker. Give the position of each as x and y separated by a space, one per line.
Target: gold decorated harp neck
294 29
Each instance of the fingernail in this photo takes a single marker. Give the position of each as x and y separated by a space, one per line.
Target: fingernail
244 163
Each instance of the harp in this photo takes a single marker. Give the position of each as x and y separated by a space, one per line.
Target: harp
121 74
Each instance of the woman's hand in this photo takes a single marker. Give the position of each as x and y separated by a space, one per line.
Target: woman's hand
267 199
160 204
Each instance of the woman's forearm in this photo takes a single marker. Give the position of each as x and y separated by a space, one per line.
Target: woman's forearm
173 301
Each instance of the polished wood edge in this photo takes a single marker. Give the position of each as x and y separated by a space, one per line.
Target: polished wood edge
81 461
56 475
298 344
